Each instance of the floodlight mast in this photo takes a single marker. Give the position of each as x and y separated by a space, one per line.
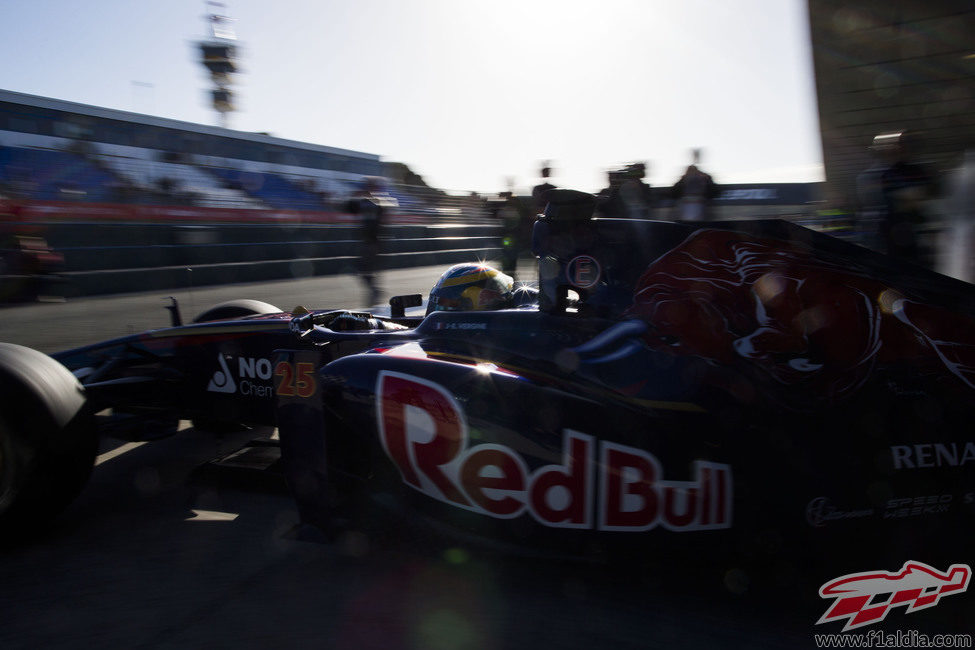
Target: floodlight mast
219 56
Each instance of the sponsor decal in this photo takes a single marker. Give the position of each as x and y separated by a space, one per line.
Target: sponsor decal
424 433
253 377
866 598
821 510
583 272
906 507
935 454
222 382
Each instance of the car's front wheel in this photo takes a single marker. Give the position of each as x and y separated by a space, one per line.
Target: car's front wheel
48 439
236 309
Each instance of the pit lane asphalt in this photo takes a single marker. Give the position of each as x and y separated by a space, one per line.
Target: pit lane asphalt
151 555
53 326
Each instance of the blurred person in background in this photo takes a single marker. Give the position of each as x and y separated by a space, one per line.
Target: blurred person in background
540 191
370 209
694 191
517 217
627 196
608 203
636 197
528 212
905 186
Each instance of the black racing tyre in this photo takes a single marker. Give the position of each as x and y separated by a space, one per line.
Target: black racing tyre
48 439
236 309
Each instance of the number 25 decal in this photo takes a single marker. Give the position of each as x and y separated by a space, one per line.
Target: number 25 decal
295 380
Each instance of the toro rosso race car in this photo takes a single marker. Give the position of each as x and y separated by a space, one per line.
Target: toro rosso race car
747 388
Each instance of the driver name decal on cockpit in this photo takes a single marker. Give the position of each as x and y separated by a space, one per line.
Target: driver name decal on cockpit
459 326
424 433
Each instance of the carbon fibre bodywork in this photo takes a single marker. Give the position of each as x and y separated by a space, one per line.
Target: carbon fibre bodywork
734 390
218 371
740 390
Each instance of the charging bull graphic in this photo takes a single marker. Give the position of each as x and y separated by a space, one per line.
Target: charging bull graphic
808 330
866 598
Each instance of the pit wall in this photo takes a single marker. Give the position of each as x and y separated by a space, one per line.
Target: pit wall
128 248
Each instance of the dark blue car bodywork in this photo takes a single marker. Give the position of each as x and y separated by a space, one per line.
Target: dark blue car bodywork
747 389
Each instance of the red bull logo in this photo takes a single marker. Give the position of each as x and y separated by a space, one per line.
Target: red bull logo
424 433
866 598
812 330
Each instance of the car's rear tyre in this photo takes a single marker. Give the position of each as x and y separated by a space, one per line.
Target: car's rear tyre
48 439
236 309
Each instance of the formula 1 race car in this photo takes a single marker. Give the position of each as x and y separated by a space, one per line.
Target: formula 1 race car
746 388
216 371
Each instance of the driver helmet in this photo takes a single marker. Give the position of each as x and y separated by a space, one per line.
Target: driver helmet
471 287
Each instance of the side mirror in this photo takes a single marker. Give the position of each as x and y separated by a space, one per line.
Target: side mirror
398 304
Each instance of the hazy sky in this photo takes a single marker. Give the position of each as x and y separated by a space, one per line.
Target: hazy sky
466 92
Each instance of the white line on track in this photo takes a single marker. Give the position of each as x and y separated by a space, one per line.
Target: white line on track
212 515
118 451
129 446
